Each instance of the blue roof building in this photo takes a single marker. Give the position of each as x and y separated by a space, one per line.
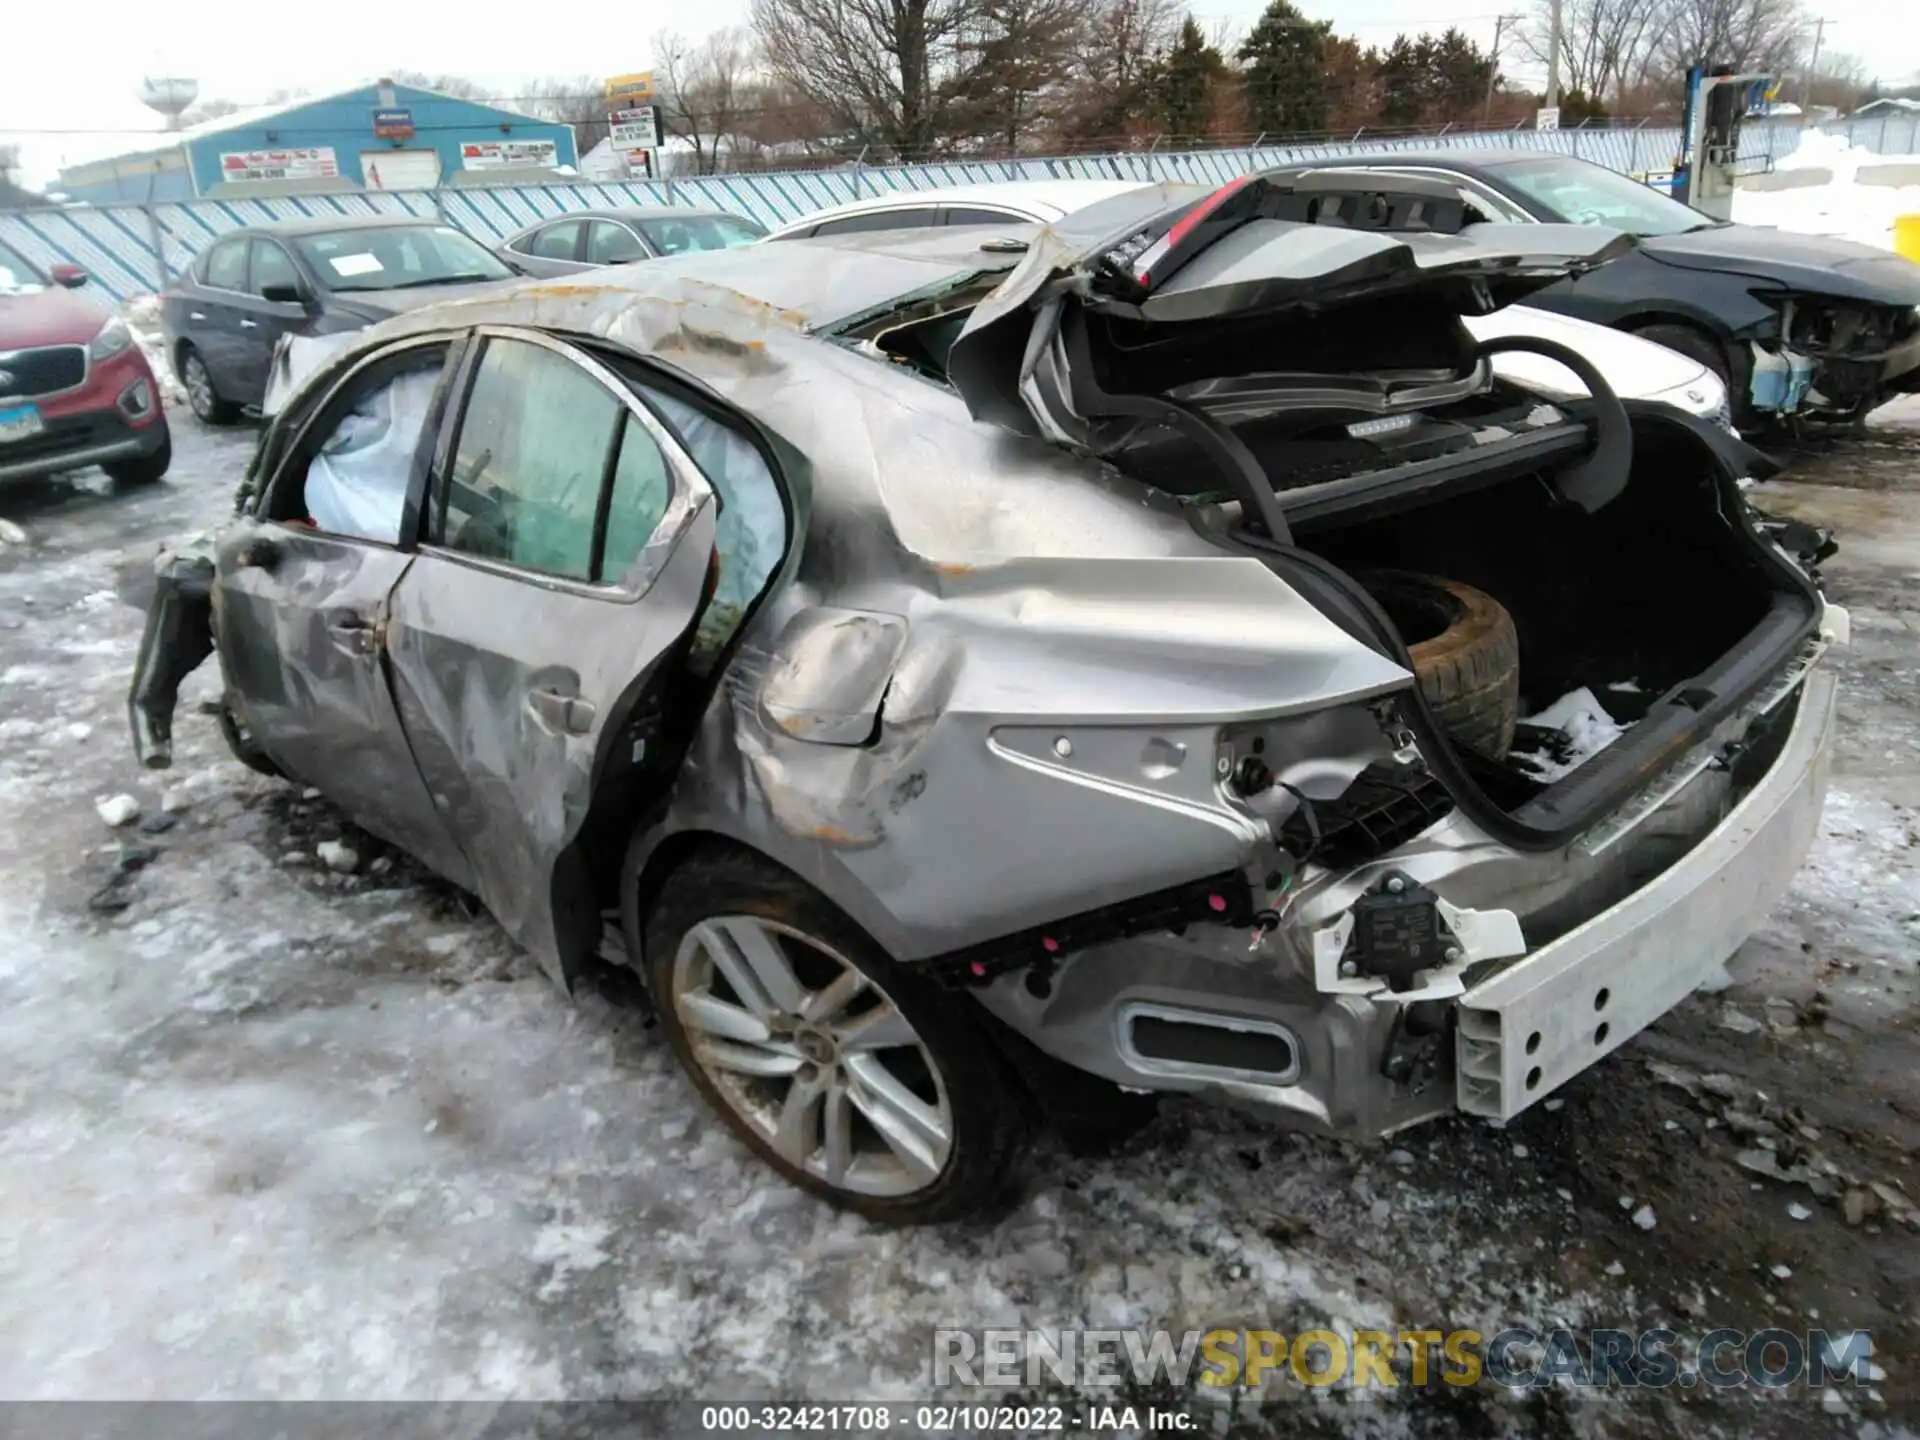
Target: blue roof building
379 136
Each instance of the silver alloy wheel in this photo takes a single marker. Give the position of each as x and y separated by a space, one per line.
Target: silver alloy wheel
199 384
813 1055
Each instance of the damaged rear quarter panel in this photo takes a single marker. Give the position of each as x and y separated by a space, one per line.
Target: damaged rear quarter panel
1033 591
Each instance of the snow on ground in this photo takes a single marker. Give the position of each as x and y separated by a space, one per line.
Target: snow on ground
1854 202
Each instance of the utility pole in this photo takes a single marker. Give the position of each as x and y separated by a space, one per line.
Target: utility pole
1813 65
1500 23
1553 59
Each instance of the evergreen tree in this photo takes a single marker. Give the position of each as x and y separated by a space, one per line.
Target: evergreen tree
1285 78
1183 84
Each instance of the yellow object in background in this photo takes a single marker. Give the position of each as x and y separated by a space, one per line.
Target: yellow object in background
1906 236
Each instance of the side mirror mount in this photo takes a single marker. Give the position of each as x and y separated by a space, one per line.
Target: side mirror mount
287 295
72 277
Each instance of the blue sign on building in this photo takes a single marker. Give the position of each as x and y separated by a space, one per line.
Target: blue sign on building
393 124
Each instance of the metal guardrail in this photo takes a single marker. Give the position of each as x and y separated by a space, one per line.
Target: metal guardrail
135 249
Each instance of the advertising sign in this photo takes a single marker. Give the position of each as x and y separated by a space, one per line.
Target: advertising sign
507 154
393 124
241 166
624 91
636 129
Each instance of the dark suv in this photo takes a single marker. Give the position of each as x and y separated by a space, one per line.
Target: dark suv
74 388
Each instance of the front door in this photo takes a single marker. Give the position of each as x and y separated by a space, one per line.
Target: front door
302 603
569 542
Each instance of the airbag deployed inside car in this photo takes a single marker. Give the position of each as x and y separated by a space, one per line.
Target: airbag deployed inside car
357 482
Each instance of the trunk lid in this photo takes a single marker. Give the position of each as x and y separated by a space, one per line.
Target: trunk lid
1164 264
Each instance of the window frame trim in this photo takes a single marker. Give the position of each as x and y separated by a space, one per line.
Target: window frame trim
691 491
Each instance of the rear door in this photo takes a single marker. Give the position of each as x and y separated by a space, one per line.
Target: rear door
302 591
554 250
569 542
211 319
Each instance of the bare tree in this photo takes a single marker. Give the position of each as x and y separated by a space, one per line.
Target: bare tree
1118 45
1606 46
708 91
883 72
457 86
1746 34
576 100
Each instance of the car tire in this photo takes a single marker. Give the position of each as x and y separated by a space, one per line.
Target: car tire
143 469
203 398
772 1001
1466 654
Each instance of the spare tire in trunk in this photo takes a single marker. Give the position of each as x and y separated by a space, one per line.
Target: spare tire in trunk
1466 654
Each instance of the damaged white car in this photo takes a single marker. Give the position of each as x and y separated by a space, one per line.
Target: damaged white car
975 685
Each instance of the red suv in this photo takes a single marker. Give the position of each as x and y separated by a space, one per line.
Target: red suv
74 388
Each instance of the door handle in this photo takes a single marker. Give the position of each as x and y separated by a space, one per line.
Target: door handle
354 635
249 324
196 315
565 714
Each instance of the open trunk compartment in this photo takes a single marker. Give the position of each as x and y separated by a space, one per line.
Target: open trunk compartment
1664 606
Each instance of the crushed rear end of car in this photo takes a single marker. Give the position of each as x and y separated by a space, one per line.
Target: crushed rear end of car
1492 876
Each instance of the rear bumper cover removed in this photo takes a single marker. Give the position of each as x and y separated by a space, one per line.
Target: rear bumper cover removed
1539 1022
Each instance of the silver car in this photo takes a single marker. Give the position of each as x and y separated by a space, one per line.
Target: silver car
983 686
588 239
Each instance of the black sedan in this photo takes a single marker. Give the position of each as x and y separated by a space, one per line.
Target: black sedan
587 239
223 318
1794 324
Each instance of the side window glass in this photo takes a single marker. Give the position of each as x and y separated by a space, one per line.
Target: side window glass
531 461
609 243
641 489
227 265
968 215
271 266
880 220
556 242
357 480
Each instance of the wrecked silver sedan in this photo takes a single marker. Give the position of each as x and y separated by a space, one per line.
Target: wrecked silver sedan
978 682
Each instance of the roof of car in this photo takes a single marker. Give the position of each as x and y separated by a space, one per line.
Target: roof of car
1045 199
1459 157
634 212
328 225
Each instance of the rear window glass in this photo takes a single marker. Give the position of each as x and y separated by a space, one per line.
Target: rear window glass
226 267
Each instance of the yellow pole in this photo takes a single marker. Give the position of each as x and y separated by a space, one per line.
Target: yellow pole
1906 237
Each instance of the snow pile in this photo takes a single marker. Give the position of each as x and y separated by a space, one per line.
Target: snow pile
1855 203
142 314
1818 150
1578 728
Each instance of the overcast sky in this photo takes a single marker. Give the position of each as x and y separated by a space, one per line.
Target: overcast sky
236 51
